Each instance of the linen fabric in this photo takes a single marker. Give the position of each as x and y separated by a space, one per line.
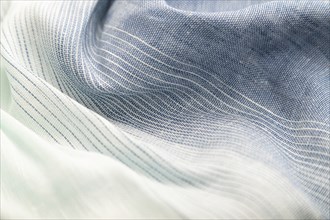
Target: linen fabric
165 109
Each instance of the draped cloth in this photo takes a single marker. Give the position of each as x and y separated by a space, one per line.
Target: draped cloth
165 109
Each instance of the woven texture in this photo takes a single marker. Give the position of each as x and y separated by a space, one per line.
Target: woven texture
165 109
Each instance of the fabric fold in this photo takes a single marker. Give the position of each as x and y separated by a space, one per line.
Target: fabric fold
165 109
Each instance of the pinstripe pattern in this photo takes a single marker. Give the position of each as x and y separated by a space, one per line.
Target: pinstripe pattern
222 114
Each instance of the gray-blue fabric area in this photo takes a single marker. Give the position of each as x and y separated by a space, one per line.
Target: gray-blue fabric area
207 69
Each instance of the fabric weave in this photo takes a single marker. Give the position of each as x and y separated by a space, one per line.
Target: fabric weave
165 109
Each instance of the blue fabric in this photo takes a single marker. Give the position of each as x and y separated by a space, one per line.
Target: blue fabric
246 77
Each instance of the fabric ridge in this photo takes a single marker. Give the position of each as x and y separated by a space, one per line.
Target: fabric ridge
165 109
